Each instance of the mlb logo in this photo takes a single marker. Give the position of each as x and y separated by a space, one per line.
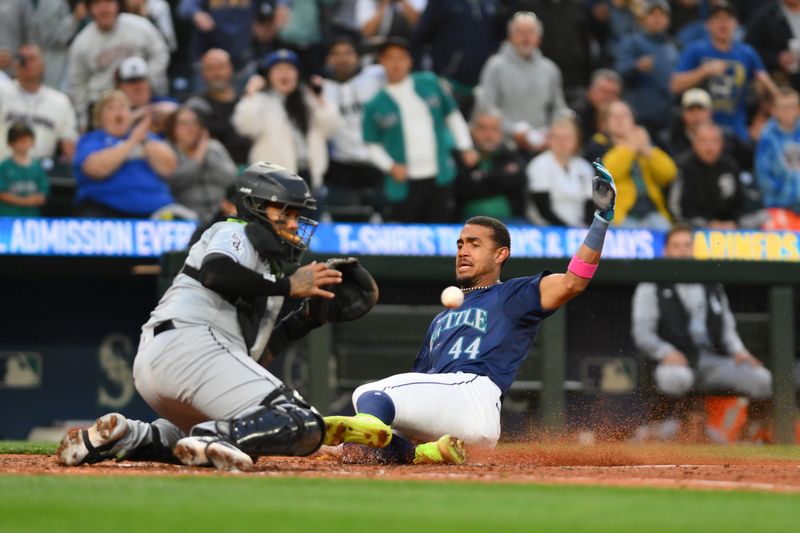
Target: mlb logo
20 370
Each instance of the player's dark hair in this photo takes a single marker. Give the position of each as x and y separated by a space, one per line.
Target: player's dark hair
680 227
500 234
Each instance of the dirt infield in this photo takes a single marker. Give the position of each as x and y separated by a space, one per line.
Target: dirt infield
616 465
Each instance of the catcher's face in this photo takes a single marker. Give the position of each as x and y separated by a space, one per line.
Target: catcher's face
479 259
285 220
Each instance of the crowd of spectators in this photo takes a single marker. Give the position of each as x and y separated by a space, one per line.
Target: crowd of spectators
408 110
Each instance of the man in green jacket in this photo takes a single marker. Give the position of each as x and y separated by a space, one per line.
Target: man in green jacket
411 127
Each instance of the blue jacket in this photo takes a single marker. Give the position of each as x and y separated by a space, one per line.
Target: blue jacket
648 93
778 166
462 35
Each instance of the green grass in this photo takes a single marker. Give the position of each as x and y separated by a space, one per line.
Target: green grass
21 446
66 503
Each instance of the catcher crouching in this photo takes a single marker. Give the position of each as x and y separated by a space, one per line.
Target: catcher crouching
201 357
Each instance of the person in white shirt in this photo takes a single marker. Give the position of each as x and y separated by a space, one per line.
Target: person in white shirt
350 171
99 48
559 181
48 112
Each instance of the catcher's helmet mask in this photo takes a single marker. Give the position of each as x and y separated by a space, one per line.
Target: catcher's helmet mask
266 184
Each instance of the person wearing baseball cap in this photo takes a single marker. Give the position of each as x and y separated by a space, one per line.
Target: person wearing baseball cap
290 122
697 109
724 67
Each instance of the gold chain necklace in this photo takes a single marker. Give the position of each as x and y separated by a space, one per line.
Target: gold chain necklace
482 287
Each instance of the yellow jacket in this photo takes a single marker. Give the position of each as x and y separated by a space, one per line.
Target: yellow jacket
658 171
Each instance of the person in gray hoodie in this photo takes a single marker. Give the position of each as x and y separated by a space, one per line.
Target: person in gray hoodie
523 84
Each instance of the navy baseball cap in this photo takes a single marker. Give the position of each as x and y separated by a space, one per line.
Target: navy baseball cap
281 56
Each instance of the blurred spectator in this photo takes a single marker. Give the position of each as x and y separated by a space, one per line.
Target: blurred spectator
689 331
305 33
218 102
646 59
99 48
289 122
606 86
16 29
48 112
723 67
205 170
622 15
559 180
410 126
495 185
23 184
132 79
225 210
462 34
351 171
343 20
774 32
55 23
388 18
778 162
708 193
270 19
684 12
696 110
159 14
225 24
120 170
641 171
564 21
523 84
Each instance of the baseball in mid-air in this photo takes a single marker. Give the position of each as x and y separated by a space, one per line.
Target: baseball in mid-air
452 297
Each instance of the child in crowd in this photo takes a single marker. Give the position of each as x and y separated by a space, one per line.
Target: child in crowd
23 184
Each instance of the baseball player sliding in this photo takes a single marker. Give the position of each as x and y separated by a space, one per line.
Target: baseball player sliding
198 360
471 354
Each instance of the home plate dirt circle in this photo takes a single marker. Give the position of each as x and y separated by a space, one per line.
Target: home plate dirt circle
607 465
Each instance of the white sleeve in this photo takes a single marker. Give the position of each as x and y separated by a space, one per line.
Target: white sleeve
458 127
67 126
249 116
230 240
586 172
380 157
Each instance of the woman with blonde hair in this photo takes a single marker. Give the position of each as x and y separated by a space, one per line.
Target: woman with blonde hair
120 167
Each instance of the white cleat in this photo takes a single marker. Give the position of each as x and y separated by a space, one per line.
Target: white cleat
211 451
92 445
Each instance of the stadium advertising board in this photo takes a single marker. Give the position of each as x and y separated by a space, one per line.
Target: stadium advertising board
151 238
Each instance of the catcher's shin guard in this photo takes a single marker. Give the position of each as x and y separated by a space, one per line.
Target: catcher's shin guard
282 425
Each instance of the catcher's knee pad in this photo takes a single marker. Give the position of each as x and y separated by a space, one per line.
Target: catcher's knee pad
287 426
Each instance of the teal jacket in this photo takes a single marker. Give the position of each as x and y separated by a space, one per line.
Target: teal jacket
383 125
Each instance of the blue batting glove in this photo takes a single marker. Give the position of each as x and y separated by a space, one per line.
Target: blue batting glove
604 192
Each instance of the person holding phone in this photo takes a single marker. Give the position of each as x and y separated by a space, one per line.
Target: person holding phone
290 122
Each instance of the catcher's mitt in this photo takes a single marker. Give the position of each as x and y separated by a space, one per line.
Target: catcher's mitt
355 295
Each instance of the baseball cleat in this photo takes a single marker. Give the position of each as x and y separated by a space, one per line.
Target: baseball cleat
92 445
361 429
212 451
448 450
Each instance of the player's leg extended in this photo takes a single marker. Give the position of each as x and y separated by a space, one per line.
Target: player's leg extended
113 436
371 427
282 424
